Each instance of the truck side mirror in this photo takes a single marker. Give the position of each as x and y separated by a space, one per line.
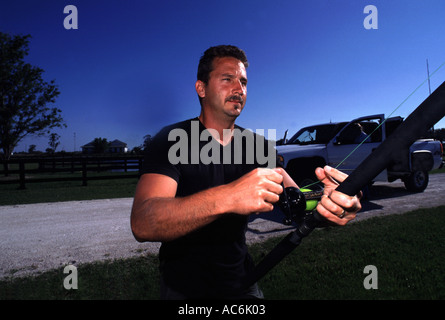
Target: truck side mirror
338 141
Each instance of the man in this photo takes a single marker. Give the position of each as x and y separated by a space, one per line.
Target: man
199 211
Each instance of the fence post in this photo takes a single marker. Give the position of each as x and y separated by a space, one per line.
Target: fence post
22 175
84 172
6 167
72 164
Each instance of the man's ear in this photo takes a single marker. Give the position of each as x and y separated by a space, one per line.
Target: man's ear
200 88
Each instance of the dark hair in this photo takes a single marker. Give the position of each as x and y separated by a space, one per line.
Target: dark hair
206 62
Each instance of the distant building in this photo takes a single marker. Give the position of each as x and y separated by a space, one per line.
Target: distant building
115 146
88 148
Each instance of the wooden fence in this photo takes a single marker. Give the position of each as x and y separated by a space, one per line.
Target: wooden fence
68 168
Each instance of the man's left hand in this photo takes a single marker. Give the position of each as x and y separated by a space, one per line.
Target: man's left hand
335 206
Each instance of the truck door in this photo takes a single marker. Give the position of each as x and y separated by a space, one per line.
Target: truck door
354 143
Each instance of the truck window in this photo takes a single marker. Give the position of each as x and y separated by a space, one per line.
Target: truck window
316 134
357 132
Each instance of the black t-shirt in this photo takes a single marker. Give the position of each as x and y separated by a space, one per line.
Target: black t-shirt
210 261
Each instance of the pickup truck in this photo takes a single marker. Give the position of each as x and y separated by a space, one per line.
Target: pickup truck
344 145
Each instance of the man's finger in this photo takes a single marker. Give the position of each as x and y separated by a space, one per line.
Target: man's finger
271 174
271 197
324 177
350 204
276 175
337 175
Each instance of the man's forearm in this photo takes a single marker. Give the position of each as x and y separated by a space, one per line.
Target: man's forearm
165 219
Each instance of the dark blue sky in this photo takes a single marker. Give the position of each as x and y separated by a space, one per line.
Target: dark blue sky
130 67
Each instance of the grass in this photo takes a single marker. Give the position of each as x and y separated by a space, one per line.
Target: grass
37 192
407 251
441 170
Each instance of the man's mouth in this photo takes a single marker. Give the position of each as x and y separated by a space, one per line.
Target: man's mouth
235 99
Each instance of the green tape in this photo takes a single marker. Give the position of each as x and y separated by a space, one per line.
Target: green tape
310 204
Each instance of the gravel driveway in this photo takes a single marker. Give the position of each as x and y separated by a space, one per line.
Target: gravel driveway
38 237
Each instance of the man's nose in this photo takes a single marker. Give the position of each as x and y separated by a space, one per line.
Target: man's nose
239 88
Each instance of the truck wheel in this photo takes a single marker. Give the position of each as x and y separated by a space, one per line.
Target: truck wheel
417 181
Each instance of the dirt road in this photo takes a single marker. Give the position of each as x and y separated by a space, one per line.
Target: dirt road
38 237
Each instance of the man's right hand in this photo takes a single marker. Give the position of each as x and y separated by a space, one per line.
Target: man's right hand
256 191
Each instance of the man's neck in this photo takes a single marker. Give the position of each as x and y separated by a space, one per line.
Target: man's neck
223 127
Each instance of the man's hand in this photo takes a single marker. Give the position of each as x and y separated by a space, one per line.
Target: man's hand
335 206
256 191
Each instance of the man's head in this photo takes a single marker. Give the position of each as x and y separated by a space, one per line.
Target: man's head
206 62
222 82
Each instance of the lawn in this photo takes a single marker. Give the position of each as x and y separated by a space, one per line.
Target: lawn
406 250
37 192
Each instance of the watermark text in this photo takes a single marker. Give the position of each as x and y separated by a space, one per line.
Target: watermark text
371 20
247 146
70 281
371 280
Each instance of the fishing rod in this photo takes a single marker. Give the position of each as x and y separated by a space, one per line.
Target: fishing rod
297 208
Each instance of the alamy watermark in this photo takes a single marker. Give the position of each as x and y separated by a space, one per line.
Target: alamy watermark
371 280
371 20
70 281
253 151
71 20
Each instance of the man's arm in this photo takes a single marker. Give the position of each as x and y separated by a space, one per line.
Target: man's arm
157 215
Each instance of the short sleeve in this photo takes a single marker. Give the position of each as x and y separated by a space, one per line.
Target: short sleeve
156 157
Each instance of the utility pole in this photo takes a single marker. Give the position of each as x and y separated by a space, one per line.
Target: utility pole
428 72
429 86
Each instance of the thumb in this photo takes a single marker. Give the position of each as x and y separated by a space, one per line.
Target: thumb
324 175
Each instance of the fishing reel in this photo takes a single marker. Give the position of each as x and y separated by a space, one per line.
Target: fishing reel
298 203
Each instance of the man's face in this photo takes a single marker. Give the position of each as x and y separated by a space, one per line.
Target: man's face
225 92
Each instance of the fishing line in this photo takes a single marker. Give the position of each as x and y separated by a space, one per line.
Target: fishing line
409 96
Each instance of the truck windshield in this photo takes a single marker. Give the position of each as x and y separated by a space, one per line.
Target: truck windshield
316 134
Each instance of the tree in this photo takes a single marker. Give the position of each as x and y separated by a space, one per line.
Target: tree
53 142
147 141
100 145
24 96
32 148
439 134
143 147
